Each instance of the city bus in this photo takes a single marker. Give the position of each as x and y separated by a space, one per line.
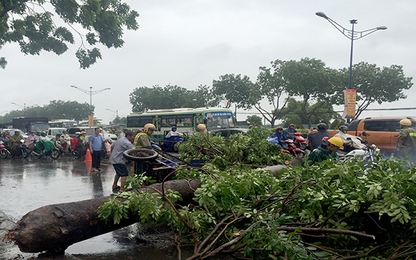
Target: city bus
185 119
66 123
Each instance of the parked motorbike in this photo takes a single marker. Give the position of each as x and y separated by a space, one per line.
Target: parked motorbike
44 148
4 152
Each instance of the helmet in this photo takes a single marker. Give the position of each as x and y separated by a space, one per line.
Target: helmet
43 134
138 131
279 128
291 125
149 127
337 141
343 128
174 128
405 122
322 126
200 127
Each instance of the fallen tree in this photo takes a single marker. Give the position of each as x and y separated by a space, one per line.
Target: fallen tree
55 227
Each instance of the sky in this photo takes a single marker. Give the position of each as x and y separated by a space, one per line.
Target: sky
193 42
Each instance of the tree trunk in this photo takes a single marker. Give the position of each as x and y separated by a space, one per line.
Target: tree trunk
55 227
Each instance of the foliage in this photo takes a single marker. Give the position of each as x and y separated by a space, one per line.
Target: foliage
143 98
320 111
376 85
31 25
325 211
254 120
249 149
235 89
56 109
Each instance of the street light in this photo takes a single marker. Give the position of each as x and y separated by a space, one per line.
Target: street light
24 105
351 35
91 93
116 112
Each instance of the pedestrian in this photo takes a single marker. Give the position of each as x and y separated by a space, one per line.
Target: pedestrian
323 152
96 145
116 159
315 138
406 141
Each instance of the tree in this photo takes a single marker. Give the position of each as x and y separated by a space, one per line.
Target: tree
143 98
375 84
310 80
30 24
254 120
56 109
236 89
320 111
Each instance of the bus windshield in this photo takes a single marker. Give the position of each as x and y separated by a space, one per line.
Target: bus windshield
217 120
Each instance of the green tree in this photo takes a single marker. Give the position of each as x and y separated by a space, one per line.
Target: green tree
310 80
375 84
31 25
236 89
143 98
320 111
254 120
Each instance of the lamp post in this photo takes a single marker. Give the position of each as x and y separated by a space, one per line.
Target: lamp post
91 93
24 105
116 111
352 36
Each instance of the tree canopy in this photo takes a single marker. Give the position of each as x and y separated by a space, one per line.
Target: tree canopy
171 96
31 24
375 84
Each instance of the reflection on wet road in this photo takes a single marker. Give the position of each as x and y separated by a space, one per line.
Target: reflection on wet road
27 184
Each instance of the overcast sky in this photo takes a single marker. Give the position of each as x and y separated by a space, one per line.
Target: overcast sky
193 42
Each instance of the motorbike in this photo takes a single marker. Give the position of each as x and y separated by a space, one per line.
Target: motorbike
288 146
4 152
169 143
78 148
367 154
300 142
44 148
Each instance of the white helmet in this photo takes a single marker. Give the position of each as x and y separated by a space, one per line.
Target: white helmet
149 127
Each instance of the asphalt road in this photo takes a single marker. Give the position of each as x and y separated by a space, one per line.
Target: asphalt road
27 184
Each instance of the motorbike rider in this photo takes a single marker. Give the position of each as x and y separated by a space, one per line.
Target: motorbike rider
324 152
173 132
31 138
351 142
290 131
5 136
315 138
142 139
65 141
279 137
14 142
406 141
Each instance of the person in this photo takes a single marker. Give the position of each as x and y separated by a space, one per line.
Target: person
142 139
31 138
96 145
65 141
173 132
323 152
351 142
290 132
406 141
315 138
14 142
200 128
279 138
5 136
116 159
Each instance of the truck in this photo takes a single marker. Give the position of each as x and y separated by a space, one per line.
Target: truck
31 124
381 131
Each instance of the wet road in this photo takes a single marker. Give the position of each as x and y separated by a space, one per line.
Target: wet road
27 184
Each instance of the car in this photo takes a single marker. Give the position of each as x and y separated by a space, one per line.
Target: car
55 132
12 131
74 131
226 132
107 135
